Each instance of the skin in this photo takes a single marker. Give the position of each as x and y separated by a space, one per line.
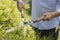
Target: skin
20 5
48 15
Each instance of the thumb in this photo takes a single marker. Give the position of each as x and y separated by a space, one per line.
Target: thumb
45 17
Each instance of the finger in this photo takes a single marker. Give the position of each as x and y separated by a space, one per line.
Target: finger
46 18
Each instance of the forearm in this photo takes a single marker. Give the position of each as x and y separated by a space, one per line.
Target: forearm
56 14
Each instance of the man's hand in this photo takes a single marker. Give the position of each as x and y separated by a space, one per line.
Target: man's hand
20 5
50 15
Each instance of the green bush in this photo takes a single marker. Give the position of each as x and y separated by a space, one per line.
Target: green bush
9 15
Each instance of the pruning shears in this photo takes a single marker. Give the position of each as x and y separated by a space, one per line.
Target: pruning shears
25 22
31 21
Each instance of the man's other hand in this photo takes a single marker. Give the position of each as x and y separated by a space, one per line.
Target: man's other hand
50 15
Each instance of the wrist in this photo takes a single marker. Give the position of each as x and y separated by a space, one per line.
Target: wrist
56 14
